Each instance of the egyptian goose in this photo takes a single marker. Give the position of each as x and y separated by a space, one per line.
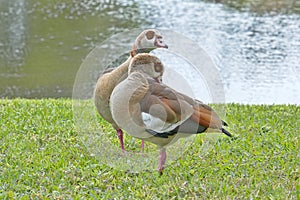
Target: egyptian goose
149 110
148 40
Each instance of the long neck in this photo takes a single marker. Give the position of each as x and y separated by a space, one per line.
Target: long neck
136 50
130 91
122 71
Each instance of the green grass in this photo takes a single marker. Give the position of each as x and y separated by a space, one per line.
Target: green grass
43 157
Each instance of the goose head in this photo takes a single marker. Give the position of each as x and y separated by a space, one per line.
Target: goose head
147 41
148 65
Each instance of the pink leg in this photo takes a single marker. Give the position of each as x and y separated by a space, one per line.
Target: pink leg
162 160
120 136
143 145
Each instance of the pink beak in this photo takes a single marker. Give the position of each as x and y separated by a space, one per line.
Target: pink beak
158 79
160 43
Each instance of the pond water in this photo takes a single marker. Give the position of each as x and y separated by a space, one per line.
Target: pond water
254 44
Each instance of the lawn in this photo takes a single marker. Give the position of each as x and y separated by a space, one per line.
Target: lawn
42 156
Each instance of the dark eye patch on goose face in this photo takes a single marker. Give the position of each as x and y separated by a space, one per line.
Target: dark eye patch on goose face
150 35
158 67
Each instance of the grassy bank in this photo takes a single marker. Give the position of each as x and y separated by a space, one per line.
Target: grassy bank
42 156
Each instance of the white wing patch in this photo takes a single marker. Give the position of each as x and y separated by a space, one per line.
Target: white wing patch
157 124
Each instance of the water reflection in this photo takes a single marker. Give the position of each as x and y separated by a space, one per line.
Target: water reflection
48 40
13 35
257 54
263 6
255 44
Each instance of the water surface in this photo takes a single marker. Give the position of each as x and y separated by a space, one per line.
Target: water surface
255 44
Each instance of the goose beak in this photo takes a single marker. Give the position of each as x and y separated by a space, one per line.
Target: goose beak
158 79
159 42
162 45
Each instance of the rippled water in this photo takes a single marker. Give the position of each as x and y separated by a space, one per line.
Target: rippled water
42 43
258 55
256 47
